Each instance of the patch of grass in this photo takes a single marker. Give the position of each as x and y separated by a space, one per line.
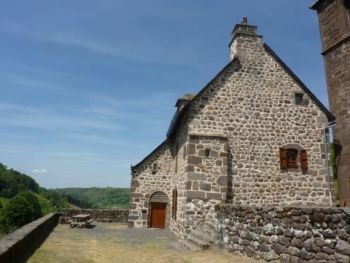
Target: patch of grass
111 243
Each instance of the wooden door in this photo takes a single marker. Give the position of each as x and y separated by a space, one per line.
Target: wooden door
158 211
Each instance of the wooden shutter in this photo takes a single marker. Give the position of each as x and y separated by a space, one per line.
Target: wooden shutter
283 159
303 160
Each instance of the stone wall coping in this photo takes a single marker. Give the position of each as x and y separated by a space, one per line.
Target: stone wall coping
95 209
13 238
345 210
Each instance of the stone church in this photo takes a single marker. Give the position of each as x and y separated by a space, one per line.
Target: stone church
255 135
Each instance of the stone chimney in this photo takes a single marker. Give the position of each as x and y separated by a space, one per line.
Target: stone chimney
244 37
181 102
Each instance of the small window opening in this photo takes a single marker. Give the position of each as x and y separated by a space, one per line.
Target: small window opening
299 98
184 153
154 168
176 156
207 152
174 214
292 158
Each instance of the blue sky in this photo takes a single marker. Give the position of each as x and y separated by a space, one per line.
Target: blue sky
88 87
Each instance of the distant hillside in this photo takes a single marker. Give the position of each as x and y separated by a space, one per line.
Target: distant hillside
22 200
96 197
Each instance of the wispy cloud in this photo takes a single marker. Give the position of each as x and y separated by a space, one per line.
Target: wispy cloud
39 171
136 52
25 81
51 119
100 120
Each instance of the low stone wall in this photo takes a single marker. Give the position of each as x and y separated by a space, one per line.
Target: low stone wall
18 246
115 215
288 234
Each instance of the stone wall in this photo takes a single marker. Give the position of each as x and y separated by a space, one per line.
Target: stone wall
334 22
115 215
178 222
18 246
207 180
288 234
152 175
252 103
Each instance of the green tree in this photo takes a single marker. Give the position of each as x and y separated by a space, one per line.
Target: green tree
21 210
34 203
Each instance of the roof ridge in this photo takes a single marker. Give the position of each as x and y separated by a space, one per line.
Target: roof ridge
330 116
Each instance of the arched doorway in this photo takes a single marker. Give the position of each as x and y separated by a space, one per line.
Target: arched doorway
158 206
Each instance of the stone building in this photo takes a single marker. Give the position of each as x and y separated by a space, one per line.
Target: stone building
334 20
253 136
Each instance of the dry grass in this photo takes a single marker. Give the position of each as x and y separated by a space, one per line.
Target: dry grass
73 245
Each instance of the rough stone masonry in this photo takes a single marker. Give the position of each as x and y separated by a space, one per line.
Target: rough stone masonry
255 135
334 20
286 234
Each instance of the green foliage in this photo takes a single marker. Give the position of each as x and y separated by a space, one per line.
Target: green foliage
22 209
95 197
55 201
13 182
22 200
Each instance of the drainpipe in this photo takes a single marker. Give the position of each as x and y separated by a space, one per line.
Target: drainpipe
326 135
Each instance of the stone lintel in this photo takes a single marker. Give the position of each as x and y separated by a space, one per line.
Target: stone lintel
190 195
196 177
213 135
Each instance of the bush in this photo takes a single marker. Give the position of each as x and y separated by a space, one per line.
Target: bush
22 209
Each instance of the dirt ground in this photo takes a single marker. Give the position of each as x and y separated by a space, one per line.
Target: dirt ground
116 243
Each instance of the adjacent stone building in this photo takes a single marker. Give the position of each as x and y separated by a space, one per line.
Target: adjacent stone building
255 135
334 20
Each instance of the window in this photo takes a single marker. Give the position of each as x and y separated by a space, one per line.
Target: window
174 204
176 156
299 98
154 168
207 152
291 158
184 153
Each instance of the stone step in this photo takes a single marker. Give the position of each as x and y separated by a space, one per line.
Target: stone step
203 235
185 245
202 244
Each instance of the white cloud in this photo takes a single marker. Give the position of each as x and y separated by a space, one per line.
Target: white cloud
116 49
39 171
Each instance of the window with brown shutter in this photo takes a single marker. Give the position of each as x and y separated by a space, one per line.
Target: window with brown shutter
174 204
283 159
303 160
292 158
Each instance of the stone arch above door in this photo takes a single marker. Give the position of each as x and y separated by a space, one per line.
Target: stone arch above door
159 197
159 211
